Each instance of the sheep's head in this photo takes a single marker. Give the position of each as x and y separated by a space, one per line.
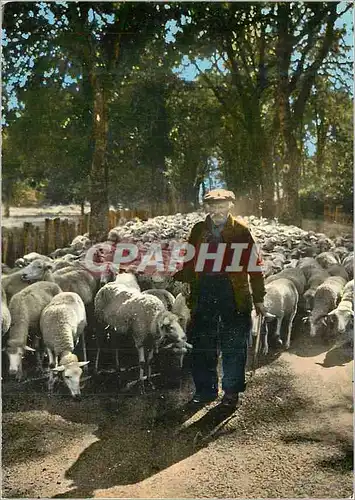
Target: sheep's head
169 327
318 327
308 298
36 270
15 355
71 373
339 319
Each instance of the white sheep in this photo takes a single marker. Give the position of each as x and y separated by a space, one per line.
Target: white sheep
181 310
30 257
326 299
62 323
348 263
107 295
295 275
107 302
327 259
317 277
14 283
145 318
80 242
308 265
166 297
25 309
340 318
5 314
70 279
281 300
338 270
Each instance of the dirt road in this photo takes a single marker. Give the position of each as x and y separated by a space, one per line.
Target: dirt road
291 437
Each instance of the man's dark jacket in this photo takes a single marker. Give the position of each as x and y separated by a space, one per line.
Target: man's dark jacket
234 231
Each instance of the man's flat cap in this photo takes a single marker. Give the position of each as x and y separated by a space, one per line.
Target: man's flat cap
218 195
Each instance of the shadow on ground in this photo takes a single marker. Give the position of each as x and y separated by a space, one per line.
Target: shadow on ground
343 458
147 436
138 436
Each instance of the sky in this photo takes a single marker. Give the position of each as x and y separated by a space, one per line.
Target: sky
188 71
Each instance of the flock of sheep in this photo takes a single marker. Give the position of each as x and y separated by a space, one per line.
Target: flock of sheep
49 303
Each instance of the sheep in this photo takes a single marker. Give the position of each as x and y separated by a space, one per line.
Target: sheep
107 295
308 265
326 259
281 300
341 252
25 309
325 300
107 302
80 242
14 283
338 270
70 279
5 269
341 317
5 314
30 257
62 323
317 277
145 318
181 310
295 275
166 297
348 263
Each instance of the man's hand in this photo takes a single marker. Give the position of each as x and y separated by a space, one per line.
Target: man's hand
260 309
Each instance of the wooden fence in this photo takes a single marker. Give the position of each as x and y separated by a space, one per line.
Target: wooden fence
337 215
57 233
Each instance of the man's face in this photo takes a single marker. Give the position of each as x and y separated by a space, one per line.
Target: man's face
218 211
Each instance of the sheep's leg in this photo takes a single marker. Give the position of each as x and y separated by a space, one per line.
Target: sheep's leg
51 382
265 344
97 359
117 360
278 330
141 368
83 344
52 361
149 368
39 354
288 340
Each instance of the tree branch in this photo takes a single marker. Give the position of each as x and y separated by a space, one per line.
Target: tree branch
310 74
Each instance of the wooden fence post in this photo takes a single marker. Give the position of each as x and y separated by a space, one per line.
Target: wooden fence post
65 232
26 237
72 231
56 234
10 257
86 227
4 245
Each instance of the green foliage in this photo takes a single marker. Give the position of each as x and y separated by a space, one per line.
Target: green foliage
165 134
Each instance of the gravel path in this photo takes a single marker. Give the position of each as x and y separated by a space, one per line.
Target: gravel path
291 437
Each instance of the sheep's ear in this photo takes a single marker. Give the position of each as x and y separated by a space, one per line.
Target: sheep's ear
83 363
60 368
28 348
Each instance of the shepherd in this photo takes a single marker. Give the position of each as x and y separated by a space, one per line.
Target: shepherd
220 298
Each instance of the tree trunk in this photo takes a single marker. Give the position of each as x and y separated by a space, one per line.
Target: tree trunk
7 196
99 222
291 210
